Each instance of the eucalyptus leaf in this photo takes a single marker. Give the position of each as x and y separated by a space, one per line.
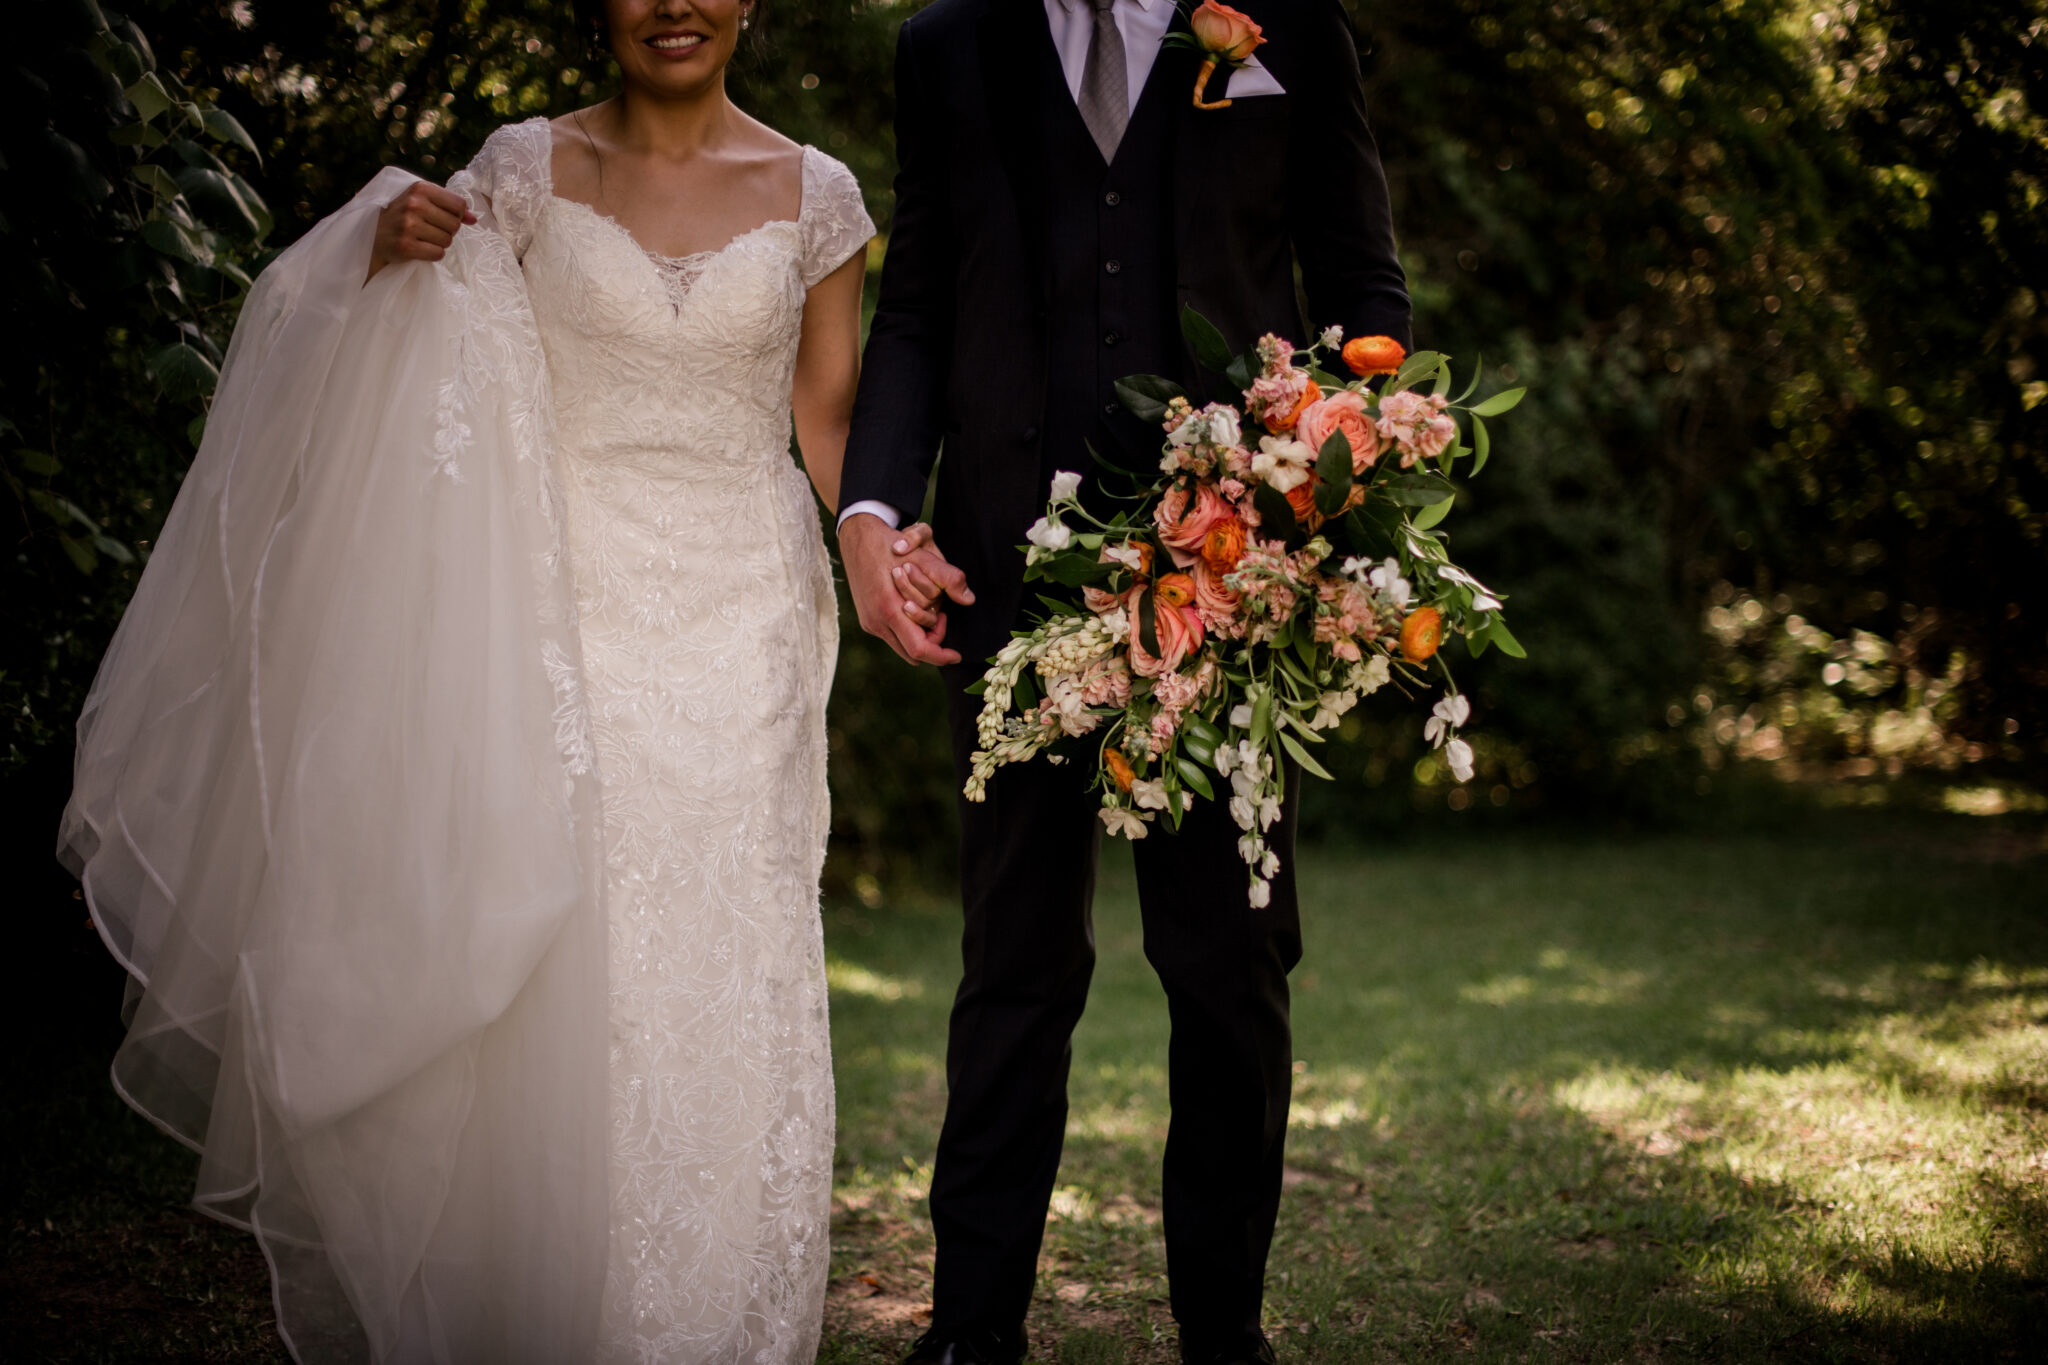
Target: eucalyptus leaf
1499 403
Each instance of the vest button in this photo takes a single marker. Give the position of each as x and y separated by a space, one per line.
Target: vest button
1110 338
1112 199
1112 267
1111 409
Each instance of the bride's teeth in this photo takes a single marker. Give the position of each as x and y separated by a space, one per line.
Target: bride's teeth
675 44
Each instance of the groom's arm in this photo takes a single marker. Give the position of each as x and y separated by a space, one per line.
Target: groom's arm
1338 211
899 414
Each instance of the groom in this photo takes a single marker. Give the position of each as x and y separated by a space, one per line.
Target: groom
1059 200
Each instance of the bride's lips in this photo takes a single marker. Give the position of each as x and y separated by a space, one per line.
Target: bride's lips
677 45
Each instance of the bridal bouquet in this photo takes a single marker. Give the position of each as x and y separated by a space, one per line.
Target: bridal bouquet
1284 563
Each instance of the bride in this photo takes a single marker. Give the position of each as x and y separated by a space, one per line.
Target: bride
454 789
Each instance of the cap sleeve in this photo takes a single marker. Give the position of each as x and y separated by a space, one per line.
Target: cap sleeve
509 180
834 220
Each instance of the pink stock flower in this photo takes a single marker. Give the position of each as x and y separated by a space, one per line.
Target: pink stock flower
1342 411
1417 426
1106 682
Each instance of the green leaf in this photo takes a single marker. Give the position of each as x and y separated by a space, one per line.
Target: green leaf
1305 650
113 549
1211 351
183 372
224 202
1416 490
1333 467
1276 516
1024 692
1478 373
221 126
1414 369
81 553
1443 379
36 462
1477 640
1327 382
136 135
1432 514
171 239
1482 446
1148 626
1300 755
1201 728
156 180
1262 715
149 97
1192 774
1239 372
195 430
976 688
1499 633
1074 571
1499 403
1146 396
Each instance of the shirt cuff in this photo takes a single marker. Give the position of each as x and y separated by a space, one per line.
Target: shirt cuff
873 509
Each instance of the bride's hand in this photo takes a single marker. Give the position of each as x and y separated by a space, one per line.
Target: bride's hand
418 226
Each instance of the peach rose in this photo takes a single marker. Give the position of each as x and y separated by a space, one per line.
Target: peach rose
1368 356
1342 411
1174 621
1184 527
1224 32
1216 601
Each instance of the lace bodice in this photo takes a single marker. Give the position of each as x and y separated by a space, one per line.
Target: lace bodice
707 625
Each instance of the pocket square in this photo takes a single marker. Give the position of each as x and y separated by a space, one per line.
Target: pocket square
1252 79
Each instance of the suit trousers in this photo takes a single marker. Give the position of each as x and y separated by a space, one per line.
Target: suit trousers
1027 876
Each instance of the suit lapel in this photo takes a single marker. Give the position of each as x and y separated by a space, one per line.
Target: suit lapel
1016 50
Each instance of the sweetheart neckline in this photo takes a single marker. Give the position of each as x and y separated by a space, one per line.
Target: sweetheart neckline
656 256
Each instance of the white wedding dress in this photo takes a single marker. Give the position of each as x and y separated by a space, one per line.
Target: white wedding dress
454 790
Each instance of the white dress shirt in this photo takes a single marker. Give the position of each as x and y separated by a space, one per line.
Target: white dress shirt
1143 25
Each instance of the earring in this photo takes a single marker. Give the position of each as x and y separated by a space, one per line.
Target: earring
744 19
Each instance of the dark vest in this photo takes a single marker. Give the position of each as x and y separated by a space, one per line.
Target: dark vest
1110 274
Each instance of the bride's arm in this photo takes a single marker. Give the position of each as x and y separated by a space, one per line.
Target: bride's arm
827 371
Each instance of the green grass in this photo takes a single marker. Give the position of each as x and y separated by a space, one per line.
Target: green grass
1704 1097
1738 1097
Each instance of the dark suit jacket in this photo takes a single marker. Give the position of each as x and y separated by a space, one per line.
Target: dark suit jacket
958 355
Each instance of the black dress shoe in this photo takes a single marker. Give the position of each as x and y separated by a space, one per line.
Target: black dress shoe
947 1347
1255 1351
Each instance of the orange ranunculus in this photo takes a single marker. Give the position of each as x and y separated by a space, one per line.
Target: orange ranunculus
1313 393
1223 546
1224 32
1368 356
1175 589
1421 633
1302 498
1120 769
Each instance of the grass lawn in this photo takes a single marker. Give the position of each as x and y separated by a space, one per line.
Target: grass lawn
1707 1096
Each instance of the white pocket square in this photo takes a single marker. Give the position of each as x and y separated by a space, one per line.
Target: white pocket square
1252 79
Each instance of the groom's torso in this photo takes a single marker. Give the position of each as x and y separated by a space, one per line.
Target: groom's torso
1069 272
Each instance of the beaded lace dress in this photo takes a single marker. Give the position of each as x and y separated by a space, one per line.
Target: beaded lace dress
708 634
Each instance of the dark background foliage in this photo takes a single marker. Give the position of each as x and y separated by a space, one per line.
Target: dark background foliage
1775 271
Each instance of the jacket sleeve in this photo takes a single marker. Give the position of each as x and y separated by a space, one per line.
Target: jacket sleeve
1338 211
899 413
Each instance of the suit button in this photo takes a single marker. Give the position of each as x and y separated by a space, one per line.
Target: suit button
1112 267
1112 199
1031 433
1111 409
1110 338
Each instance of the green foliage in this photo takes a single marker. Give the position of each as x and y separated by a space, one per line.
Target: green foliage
128 230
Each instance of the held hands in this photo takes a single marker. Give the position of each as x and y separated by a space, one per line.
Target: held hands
897 579
418 226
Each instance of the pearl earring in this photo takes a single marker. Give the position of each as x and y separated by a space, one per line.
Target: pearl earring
744 21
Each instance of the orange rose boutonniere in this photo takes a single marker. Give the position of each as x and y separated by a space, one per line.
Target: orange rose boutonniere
1224 36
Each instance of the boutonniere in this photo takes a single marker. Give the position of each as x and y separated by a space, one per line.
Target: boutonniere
1224 37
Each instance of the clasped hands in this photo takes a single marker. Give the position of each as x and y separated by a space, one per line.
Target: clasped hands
898 579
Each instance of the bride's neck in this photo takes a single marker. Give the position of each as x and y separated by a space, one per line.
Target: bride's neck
670 126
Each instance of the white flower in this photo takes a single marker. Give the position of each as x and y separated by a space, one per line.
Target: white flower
1241 811
1241 716
1065 484
1122 820
1261 893
1372 675
1269 864
1356 567
1282 462
1244 781
1149 794
1186 434
1459 755
1386 580
1049 534
1249 848
1447 715
1125 553
1330 708
1117 623
1269 808
1332 338
1223 426
1482 597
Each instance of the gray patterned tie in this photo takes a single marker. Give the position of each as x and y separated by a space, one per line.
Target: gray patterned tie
1105 95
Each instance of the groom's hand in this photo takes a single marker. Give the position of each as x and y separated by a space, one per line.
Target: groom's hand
895 577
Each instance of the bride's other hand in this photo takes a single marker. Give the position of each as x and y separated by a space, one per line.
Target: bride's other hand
923 576
872 550
418 226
